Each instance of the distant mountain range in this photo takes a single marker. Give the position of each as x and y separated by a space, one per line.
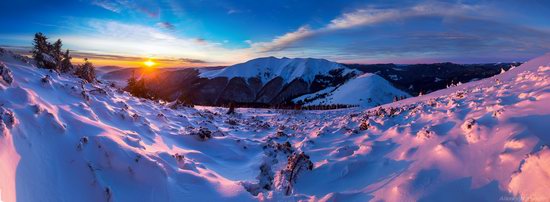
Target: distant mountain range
308 81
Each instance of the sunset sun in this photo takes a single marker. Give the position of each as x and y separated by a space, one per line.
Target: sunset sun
149 63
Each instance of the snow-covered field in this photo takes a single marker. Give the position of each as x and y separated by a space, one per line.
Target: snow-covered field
64 140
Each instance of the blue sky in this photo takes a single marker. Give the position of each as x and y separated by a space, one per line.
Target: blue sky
211 32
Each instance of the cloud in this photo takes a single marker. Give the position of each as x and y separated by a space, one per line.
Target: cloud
150 8
232 11
365 17
193 61
108 5
438 31
368 16
282 42
117 38
166 25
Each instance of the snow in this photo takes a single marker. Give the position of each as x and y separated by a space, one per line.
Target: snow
268 68
367 90
64 140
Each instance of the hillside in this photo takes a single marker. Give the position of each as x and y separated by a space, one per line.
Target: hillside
65 140
367 90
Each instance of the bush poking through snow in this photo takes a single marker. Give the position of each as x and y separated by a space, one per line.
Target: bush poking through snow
365 125
178 157
3 129
231 109
469 124
265 180
7 117
232 122
83 141
108 194
202 133
86 71
297 163
46 79
5 73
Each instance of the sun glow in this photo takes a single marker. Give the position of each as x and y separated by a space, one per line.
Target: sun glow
149 63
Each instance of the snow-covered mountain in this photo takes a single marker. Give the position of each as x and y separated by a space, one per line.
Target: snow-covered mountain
65 140
367 90
288 69
262 81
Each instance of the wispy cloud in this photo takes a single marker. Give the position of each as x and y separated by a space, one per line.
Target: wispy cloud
192 61
365 17
150 8
393 33
282 42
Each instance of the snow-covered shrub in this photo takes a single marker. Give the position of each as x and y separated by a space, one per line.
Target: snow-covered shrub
7 117
46 79
3 129
425 133
232 122
108 194
497 112
202 133
83 141
365 125
265 180
469 124
5 73
286 178
178 157
86 71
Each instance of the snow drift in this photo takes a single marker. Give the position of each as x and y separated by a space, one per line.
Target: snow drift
65 140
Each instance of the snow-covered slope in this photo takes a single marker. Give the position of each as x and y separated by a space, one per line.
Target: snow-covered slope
64 140
367 90
270 67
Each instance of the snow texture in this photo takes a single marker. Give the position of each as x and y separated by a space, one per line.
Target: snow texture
66 140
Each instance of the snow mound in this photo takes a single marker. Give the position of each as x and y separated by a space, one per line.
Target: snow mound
531 183
367 90
268 68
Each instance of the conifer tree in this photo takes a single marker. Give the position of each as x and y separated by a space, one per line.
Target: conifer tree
41 51
66 65
86 71
57 53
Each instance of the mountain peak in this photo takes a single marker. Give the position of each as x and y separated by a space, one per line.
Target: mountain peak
267 68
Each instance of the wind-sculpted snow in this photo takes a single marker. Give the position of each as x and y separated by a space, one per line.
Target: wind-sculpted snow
65 140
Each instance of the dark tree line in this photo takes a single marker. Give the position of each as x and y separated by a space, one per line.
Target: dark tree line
138 88
288 106
51 56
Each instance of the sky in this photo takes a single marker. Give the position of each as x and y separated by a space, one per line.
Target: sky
184 33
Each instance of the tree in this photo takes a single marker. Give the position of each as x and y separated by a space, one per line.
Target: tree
86 71
57 53
131 83
41 52
66 65
138 88
231 108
